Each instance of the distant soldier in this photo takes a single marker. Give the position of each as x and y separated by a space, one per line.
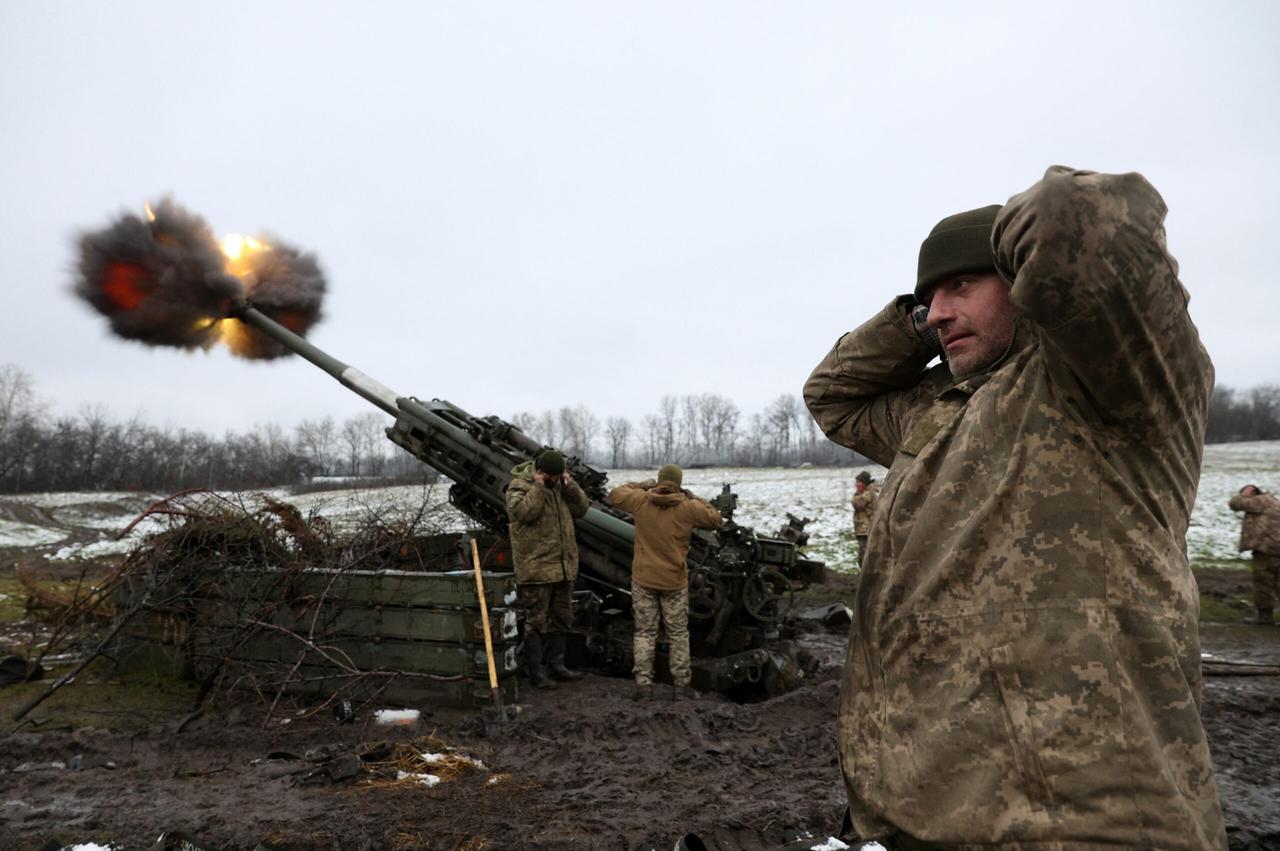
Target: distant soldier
1260 532
542 502
665 516
865 491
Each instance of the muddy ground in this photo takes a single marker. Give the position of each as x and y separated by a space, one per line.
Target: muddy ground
584 766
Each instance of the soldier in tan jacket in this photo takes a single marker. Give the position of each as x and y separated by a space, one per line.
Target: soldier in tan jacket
1024 662
543 500
865 491
1260 532
665 516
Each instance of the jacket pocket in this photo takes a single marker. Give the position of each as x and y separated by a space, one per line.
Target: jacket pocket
1020 725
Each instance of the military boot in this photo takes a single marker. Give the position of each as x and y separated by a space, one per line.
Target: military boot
1266 617
533 661
555 657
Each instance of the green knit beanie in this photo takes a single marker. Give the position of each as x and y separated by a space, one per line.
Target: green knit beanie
550 462
957 244
671 473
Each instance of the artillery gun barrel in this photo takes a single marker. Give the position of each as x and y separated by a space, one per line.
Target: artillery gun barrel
350 377
455 453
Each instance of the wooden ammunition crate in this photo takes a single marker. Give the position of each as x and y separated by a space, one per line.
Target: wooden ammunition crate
327 623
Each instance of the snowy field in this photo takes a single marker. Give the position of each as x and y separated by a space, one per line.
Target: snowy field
69 526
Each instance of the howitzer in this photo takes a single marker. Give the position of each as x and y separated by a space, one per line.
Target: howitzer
737 579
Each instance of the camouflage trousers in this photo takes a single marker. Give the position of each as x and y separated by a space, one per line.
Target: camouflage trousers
671 609
1266 579
548 606
862 548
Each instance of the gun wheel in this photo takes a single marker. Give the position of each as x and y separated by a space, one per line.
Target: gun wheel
706 594
761 595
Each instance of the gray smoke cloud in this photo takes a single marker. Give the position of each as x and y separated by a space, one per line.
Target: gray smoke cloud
160 282
165 281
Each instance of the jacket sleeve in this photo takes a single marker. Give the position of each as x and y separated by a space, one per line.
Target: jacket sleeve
861 392
703 514
1251 504
1086 256
628 497
525 501
577 499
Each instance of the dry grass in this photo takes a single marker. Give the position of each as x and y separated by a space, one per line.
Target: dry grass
407 759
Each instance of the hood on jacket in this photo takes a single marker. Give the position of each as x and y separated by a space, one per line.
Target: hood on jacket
666 495
523 470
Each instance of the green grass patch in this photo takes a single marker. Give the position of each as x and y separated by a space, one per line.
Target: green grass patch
13 598
1220 564
101 697
1221 611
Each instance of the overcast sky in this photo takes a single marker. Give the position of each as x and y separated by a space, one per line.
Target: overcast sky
527 205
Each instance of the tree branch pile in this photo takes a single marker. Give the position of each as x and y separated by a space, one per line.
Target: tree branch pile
225 579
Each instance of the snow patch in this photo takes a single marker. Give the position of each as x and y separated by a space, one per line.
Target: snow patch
95 549
26 535
433 758
420 779
833 844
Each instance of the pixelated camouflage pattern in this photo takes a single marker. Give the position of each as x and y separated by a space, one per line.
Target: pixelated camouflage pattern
671 609
1260 528
544 545
1024 662
864 504
1265 575
547 606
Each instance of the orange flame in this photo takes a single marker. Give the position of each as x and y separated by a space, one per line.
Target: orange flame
124 284
239 249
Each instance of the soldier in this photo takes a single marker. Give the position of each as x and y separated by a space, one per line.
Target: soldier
865 491
1260 532
665 516
1024 661
542 502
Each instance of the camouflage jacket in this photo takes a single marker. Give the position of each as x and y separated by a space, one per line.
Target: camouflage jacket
1260 529
1024 663
665 516
863 505
543 543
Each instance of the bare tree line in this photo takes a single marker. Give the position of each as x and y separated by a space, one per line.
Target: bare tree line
44 451
1240 415
696 429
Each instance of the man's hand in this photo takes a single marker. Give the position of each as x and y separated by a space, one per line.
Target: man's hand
565 478
540 477
926 332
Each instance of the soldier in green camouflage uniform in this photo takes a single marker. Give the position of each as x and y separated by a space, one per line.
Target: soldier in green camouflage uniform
1024 661
543 500
1260 532
864 503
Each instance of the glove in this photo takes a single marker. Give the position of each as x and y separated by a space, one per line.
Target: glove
926 332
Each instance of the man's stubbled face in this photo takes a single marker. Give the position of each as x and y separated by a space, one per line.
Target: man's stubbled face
974 318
